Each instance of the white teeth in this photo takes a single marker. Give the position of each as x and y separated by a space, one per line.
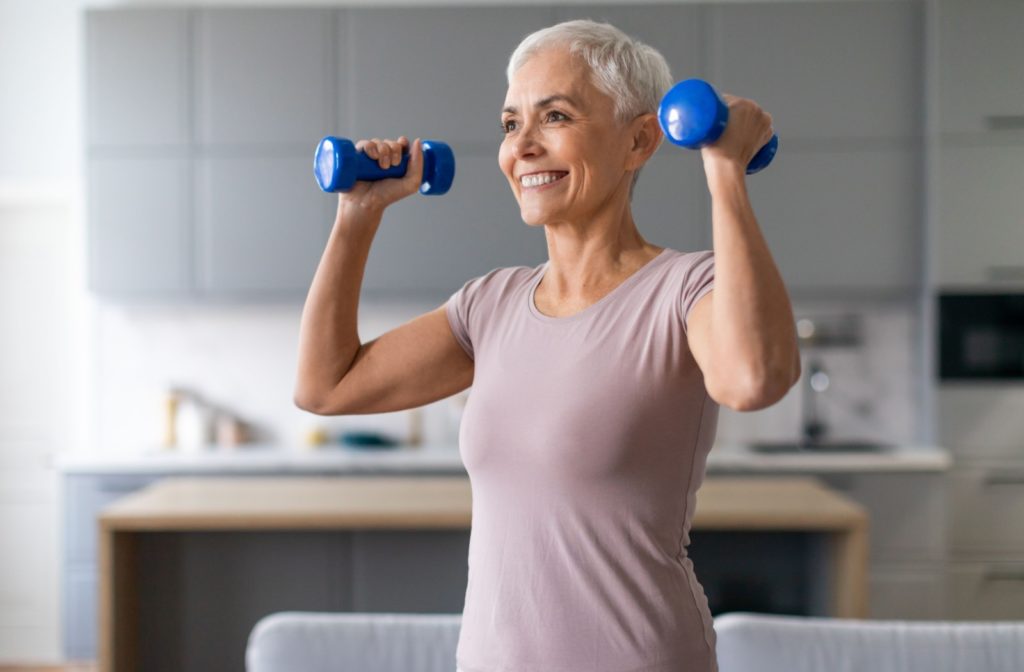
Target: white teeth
538 179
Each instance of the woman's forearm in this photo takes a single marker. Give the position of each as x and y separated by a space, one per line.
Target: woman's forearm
328 334
752 323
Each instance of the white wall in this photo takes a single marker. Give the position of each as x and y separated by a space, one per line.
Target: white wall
45 339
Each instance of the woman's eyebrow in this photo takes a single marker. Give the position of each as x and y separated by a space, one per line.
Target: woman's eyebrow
544 102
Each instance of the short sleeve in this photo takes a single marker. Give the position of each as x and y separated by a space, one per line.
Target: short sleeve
458 310
699 280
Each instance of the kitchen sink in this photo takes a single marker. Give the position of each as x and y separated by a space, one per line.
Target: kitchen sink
838 446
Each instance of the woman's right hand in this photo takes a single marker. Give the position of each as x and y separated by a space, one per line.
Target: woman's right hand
371 198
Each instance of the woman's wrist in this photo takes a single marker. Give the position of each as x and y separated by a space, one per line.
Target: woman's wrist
723 172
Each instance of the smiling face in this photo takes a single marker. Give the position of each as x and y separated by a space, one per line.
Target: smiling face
561 130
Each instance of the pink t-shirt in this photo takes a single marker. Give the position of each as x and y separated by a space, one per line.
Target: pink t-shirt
585 439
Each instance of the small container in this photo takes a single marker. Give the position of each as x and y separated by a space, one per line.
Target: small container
172 398
315 437
193 426
230 431
415 426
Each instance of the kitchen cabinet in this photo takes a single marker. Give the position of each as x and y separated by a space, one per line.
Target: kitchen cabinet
835 74
137 78
82 497
432 72
264 76
252 87
979 215
220 201
980 81
982 423
976 222
840 205
841 223
260 227
985 574
908 540
139 233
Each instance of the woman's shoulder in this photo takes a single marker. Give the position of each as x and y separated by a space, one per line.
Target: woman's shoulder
685 261
501 280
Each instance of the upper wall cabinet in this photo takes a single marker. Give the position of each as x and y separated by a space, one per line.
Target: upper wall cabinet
431 72
264 76
824 70
139 234
842 222
981 66
137 78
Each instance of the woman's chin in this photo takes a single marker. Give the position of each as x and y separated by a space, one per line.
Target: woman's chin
534 217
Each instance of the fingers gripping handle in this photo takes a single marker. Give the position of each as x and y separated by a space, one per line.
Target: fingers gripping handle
693 115
337 166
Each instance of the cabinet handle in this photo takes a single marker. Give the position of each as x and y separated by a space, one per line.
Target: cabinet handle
1006 273
999 478
1004 122
1003 575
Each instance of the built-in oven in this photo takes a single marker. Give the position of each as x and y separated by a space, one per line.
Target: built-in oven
981 336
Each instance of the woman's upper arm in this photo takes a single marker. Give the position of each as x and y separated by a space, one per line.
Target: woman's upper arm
698 336
412 365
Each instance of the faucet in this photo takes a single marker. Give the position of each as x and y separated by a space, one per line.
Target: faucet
815 382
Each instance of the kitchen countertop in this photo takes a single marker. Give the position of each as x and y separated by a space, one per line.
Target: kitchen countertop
443 458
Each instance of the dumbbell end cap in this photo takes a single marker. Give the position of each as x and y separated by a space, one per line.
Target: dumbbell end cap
692 114
764 156
438 168
334 164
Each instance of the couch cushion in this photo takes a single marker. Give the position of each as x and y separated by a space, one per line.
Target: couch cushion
296 641
775 643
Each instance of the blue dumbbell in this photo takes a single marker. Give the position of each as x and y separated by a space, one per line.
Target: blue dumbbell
693 115
337 166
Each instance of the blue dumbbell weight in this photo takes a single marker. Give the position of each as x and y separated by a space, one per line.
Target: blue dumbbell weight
693 115
337 166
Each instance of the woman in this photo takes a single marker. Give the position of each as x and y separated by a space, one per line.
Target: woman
597 376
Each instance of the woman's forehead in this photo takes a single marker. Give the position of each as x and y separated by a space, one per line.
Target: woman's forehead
550 72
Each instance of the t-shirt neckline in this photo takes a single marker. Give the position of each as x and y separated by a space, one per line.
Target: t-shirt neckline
622 286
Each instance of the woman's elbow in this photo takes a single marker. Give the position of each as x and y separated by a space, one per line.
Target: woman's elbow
306 400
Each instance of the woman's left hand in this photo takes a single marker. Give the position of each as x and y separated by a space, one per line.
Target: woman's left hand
748 130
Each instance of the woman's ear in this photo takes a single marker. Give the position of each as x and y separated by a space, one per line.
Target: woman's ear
647 137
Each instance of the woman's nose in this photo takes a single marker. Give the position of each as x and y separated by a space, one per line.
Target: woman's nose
525 142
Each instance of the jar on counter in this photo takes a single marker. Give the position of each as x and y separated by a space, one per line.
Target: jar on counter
194 424
230 431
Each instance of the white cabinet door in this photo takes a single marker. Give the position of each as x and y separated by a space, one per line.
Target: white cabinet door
981 66
979 217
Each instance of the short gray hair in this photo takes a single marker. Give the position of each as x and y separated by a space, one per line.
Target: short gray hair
633 74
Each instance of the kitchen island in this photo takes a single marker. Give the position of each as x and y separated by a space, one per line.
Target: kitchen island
187 565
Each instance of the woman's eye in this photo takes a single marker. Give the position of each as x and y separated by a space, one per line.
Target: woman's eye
505 125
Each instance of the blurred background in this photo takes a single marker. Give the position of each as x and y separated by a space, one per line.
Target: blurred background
160 226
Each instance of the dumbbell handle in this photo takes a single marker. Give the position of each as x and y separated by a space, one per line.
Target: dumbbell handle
693 115
337 166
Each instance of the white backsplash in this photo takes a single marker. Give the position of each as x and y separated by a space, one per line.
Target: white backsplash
243 358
